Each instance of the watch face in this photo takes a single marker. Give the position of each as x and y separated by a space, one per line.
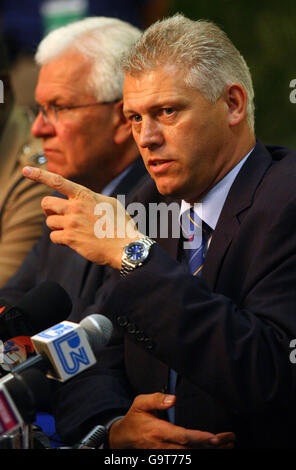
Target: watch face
135 252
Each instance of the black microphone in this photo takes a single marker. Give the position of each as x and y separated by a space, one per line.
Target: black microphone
94 439
40 308
27 389
21 395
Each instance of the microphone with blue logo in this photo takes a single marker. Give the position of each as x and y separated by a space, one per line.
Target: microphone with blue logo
63 351
68 348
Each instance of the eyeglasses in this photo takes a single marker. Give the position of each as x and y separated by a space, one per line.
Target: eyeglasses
51 111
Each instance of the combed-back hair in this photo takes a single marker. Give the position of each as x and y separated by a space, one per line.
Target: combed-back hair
206 54
102 40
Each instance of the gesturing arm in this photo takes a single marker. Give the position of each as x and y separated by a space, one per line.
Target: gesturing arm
246 343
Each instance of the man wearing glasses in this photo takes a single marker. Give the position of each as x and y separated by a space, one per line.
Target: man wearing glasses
85 138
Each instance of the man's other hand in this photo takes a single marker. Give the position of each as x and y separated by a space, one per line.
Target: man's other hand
141 429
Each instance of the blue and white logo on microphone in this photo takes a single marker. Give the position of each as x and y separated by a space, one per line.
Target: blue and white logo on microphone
71 352
56 331
67 347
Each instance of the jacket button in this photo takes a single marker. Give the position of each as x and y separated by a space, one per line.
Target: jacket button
148 343
122 320
131 328
140 336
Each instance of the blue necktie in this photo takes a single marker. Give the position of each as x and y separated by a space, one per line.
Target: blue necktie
196 234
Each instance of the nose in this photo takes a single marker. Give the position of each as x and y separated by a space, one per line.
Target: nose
41 127
150 134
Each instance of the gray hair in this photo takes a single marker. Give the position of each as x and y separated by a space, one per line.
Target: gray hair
202 48
100 39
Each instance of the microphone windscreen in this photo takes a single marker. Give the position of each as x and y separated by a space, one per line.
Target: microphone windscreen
99 330
94 439
45 305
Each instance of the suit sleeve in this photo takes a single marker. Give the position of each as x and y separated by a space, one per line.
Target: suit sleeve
103 393
238 352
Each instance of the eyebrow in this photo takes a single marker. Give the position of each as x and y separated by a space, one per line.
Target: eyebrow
55 98
163 102
129 111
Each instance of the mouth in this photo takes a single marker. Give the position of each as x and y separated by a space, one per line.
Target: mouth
50 150
52 154
158 166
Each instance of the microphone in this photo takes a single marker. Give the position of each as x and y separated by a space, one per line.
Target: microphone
21 395
39 308
68 348
65 351
94 439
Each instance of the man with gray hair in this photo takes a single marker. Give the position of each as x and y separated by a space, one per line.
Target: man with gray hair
212 325
85 138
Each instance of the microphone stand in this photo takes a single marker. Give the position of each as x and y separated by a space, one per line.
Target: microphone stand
12 440
20 438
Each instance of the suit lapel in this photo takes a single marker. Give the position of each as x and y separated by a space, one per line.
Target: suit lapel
239 199
133 180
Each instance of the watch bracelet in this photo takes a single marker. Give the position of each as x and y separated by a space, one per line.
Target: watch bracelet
127 267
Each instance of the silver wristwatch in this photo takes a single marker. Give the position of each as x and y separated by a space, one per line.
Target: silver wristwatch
134 255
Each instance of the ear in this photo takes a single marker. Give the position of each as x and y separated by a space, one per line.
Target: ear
122 127
236 99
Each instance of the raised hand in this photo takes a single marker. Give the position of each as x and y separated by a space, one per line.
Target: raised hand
79 220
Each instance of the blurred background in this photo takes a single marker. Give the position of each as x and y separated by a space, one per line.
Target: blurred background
263 30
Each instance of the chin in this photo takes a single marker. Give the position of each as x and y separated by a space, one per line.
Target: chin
59 170
167 190
54 168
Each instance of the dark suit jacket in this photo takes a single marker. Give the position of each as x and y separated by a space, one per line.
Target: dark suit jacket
226 334
49 262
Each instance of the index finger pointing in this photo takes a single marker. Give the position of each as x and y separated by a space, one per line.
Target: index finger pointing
57 182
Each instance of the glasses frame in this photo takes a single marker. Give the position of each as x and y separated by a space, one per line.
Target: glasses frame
56 108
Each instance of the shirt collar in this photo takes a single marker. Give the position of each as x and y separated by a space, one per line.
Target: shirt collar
210 207
109 189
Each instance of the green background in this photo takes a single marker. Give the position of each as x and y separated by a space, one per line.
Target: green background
264 31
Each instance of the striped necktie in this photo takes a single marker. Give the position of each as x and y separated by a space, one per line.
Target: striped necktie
196 234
